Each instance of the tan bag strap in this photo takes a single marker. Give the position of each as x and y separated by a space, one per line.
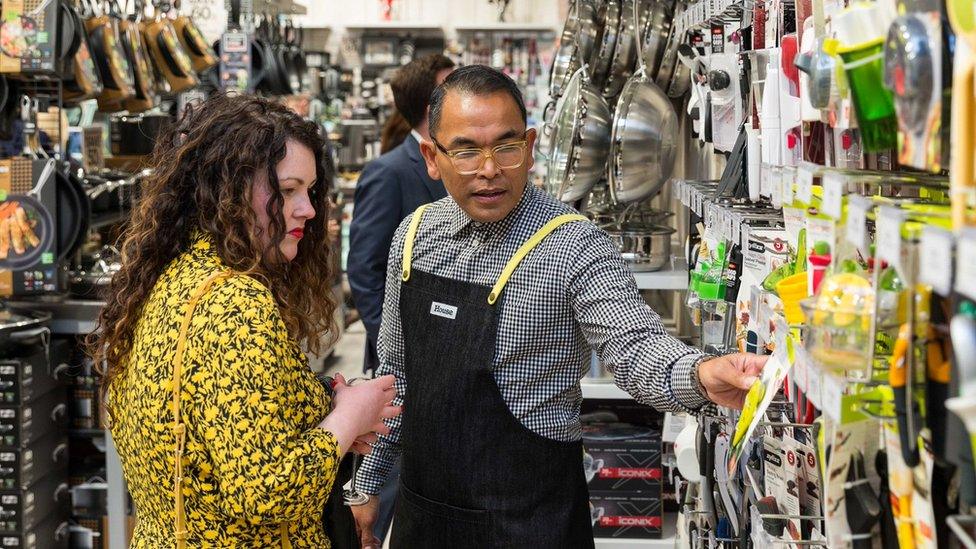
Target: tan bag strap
179 428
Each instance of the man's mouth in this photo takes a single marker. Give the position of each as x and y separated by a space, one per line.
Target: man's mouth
297 233
488 196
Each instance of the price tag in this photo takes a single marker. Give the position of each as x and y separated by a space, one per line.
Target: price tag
776 187
856 230
966 264
804 185
765 180
814 383
786 181
888 243
800 366
833 195
831 396
936 267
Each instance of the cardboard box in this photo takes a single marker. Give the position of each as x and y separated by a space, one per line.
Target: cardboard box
622 457
637 515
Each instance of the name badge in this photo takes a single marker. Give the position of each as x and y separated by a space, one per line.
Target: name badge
442 310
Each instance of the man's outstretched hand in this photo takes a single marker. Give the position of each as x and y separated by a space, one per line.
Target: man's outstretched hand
727 379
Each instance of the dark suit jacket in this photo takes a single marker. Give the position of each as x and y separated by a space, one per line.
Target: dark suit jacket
389 189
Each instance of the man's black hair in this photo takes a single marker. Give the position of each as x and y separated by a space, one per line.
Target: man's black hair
477 80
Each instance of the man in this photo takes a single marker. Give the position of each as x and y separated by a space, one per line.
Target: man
495 296
389 189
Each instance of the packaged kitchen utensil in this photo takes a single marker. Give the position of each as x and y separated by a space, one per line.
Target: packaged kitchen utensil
636 515
22 510
622 457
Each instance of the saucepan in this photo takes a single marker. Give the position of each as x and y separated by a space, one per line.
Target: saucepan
642 143
645 247
656 20
580 141
591 21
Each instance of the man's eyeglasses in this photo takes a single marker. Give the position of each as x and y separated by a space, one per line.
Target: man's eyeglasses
507 156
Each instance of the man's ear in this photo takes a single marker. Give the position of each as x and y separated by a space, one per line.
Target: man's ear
429 150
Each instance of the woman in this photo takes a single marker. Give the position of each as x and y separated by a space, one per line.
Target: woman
225 267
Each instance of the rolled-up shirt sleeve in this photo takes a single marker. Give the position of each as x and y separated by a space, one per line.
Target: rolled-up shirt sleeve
375 468
629 338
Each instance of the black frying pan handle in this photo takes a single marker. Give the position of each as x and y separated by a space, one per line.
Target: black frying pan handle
67 19
234 16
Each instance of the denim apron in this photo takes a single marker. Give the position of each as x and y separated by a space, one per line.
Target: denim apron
472 475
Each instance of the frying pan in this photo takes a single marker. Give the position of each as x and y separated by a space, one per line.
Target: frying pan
74 214
84 80
45 231
192 40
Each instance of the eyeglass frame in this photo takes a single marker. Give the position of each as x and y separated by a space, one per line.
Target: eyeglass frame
485 153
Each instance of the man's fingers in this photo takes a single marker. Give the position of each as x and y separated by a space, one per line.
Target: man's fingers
391 412
361 448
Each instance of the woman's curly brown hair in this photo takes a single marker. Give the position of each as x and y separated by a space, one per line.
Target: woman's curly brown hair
203 172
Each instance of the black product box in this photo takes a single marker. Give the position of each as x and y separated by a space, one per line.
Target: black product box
622 457
22 510
21 468
21 425
636 515
30 377
53 533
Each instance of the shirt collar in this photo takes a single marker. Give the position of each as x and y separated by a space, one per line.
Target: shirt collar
459 220
416 135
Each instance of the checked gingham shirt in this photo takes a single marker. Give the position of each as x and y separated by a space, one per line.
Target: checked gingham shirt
571 294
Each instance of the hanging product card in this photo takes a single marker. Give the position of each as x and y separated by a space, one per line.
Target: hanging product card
795 221
777 189
765 180
757 401
789 176
888 238
856 230
936 270
792 473
832 396
804 185
833 195
966 263
814 377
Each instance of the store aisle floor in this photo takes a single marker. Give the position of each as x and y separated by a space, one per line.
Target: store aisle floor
347 358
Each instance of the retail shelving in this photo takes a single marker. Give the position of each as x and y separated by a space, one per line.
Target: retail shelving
603 389
394 25
506 27
674 276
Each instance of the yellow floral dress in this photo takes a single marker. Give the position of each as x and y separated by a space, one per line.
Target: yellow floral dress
254 463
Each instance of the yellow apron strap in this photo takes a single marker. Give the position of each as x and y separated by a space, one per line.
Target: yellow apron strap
524 250
408 243
178 427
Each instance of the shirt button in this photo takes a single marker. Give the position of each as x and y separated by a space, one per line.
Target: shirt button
475 243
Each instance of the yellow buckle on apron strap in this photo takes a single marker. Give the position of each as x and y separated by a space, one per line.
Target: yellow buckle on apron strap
527 247
418 214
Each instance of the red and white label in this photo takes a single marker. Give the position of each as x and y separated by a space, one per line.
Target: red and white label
629 472
640 522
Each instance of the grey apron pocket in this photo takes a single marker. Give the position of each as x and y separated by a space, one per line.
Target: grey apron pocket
422 523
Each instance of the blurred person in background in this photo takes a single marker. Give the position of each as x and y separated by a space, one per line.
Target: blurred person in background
395 131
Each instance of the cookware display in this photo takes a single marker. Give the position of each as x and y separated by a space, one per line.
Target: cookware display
142 70
606 42
169 56
655 29
118 82
643 144
22 328
566 60
84 79
201 54
580 140
29 38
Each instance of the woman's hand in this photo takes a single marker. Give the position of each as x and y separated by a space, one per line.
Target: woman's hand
358 412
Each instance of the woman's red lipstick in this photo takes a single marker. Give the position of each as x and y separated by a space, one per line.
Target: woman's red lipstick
297 233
